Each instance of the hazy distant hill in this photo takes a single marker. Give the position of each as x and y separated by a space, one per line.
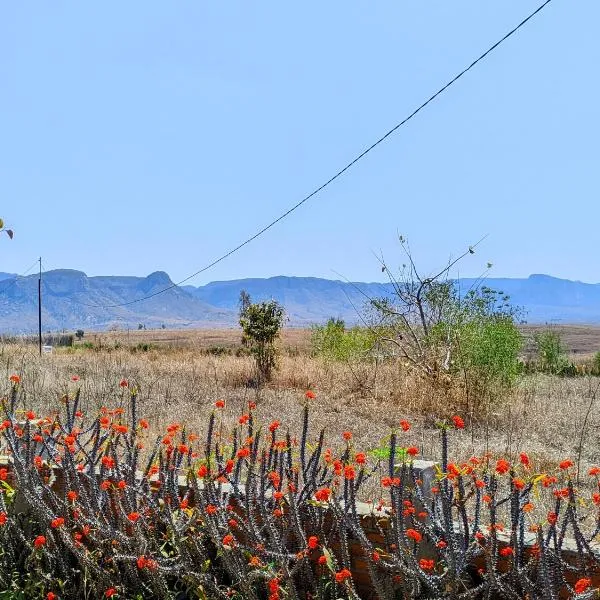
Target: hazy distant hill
306 299
72 300
543 298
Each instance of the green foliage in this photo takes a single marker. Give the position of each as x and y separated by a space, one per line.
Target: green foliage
481 335
333 341
551 353
261 324
472 337
596 364
79 334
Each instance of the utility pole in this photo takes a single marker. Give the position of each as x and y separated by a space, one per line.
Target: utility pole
40 308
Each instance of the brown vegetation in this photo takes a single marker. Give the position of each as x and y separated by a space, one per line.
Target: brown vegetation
179 379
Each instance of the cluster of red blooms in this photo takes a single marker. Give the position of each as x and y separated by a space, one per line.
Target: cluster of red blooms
345 469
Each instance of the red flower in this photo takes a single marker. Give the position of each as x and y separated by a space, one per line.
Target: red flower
220 403
582 585
405 425
134 516
211 509
51 596
146 563
310 395
322 560
243 452
426 564
15 379
524 459
274 426
594 471
412 451
123 383
75 378
375 556
413 534
390 481
502 466
273 585
518 483
442 544
3 518
39 541
58 522
508 551
313 542
108 462
203 471
30 415
347 435
552 518
566 464
228 540
360 458
458 422
110 592
349 472
342 575
244 419
323 494
144 424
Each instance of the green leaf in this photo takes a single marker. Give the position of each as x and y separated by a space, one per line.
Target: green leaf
329 560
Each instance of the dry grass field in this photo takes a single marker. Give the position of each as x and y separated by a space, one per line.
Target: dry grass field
581 340
180 375
179 380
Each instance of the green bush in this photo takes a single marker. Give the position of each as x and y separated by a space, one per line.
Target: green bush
333 341
551 353
478 339
261 324
490 349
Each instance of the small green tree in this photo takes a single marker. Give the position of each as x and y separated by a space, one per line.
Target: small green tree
596 364
79 334
551 352
333 341
261 324
437 328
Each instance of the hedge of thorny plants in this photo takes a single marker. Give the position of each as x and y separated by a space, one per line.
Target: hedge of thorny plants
256 514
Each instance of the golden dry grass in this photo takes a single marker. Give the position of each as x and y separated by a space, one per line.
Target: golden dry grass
544 416
179 382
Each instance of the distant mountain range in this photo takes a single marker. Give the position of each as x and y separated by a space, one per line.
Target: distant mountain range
72 300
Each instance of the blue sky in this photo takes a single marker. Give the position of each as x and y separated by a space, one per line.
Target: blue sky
142 136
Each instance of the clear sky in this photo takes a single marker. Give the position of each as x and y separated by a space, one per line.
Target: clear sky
141 136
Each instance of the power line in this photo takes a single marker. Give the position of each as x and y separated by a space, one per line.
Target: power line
338 174
17 277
